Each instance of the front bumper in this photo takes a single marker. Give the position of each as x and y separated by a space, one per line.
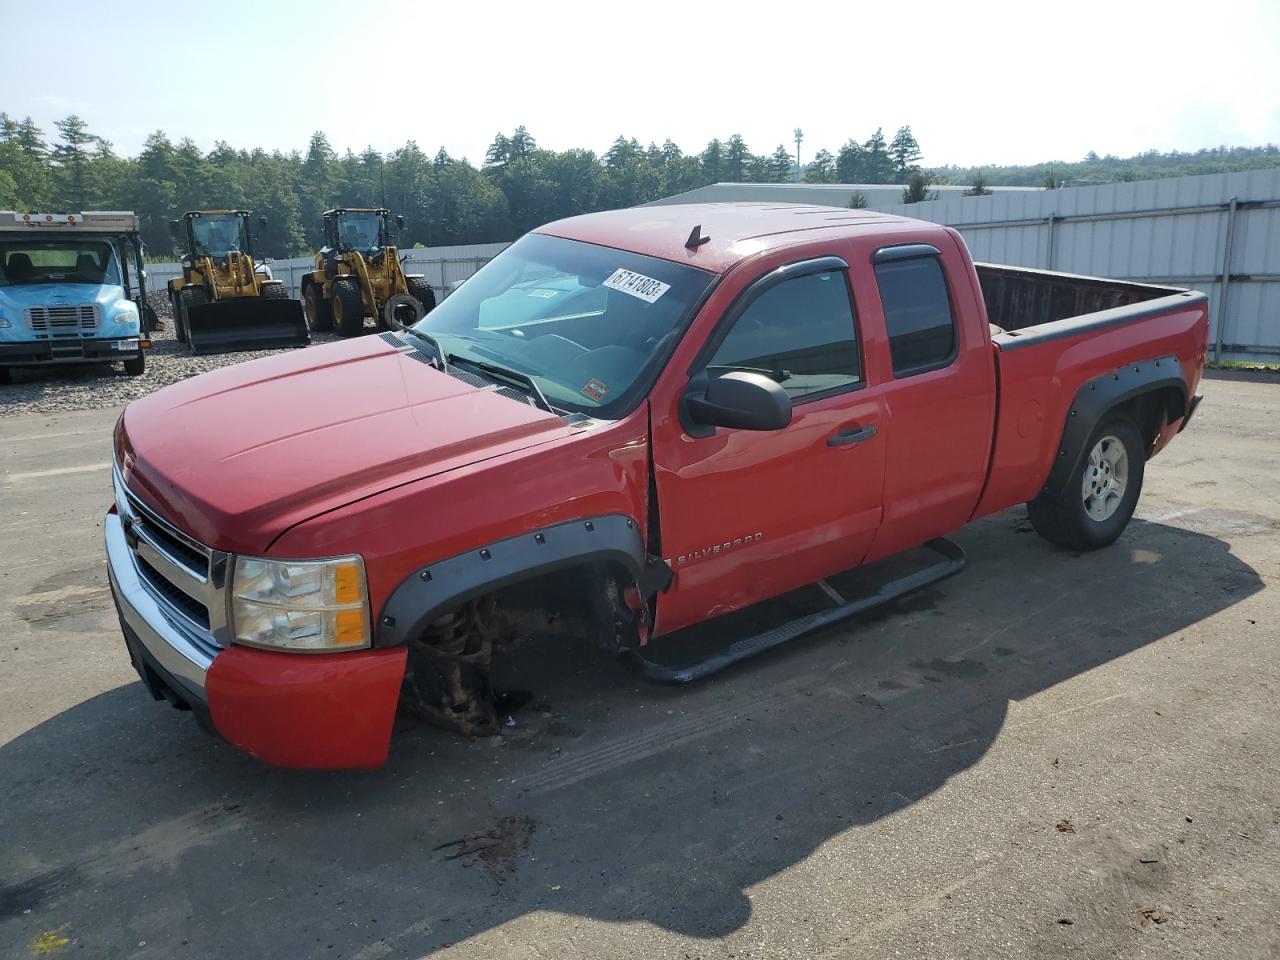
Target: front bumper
310 711
69 350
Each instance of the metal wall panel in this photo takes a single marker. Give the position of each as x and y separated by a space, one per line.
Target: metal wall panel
1172 230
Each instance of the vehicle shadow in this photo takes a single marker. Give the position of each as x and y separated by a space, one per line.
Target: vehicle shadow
608 799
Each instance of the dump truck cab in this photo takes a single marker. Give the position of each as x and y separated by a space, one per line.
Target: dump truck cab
67 294
223 300
358 274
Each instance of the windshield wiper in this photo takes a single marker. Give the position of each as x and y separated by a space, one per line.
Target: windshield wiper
432 342
514 376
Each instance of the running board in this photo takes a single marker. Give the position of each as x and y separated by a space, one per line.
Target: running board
951 560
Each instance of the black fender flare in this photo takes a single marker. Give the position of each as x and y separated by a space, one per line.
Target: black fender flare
1099 396
438 587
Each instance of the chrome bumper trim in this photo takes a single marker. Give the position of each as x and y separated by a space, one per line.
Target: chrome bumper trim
163 636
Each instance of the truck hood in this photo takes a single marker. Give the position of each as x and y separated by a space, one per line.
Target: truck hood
238 456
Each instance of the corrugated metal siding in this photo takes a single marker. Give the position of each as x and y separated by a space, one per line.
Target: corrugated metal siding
1163 231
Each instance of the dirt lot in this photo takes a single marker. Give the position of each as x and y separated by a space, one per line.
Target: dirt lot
1049 755
98 386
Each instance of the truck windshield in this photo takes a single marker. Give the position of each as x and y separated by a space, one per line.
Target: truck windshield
215 235
359 231
28 261
591 325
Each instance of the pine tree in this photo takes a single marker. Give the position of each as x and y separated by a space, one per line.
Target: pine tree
712 160
499 152
821 169
905 153
979 188
780 166
917 188
878 163
71 158
851 164
736 159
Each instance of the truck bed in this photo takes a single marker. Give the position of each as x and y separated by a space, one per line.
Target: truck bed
1052 333
1019 298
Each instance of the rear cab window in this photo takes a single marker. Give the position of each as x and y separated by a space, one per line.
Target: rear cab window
917 311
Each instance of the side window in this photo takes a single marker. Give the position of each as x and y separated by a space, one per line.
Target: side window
917 313
800 333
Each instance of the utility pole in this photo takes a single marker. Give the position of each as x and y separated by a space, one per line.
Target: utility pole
799 136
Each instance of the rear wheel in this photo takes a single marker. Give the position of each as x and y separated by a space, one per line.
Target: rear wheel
1095 503
6 377
188 297
319 314
421 291
348 306
135 366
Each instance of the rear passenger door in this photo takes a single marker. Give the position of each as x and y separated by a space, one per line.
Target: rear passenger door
939 386
747 515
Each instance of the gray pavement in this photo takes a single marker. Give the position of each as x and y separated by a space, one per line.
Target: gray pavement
1049 755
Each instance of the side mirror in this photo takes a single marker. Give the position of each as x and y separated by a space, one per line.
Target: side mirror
175 227
262 221
740 400
400 221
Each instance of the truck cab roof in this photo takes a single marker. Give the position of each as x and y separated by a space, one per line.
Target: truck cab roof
733 231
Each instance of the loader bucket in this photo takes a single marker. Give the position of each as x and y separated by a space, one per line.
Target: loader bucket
246 323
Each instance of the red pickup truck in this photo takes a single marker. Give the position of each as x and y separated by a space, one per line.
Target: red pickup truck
626 425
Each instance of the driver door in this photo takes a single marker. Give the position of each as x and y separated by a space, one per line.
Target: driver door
747 515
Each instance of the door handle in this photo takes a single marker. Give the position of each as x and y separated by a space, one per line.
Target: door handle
851 435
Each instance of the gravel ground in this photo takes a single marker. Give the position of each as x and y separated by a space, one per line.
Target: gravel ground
97 386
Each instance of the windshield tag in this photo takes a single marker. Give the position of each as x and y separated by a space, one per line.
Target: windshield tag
595 389
637 285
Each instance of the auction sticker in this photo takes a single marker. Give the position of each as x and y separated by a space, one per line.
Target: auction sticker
637 285
595 389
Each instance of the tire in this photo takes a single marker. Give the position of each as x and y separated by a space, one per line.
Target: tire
421 291
6 377
318 310
187 297
274 291
348 307
135 366
1095 504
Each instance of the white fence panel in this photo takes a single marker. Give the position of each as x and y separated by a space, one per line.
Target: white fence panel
1172 231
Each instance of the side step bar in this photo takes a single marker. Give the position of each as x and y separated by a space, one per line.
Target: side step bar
951 560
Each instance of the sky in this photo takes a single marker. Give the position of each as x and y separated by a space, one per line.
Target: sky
979 83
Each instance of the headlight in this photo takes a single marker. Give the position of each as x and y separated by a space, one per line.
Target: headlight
300 604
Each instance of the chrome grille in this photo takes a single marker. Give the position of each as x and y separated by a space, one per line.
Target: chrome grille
66 321
183 576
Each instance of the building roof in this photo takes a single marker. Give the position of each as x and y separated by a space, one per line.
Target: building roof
836 194
736 230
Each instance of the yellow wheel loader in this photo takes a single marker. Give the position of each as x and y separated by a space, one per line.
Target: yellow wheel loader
358 274
224 301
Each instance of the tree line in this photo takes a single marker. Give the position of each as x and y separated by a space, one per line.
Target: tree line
518 186
444 200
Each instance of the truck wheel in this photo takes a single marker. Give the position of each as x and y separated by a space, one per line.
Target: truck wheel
317 308
6 377
348 306
135 366
421 291
274 291
1095 504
